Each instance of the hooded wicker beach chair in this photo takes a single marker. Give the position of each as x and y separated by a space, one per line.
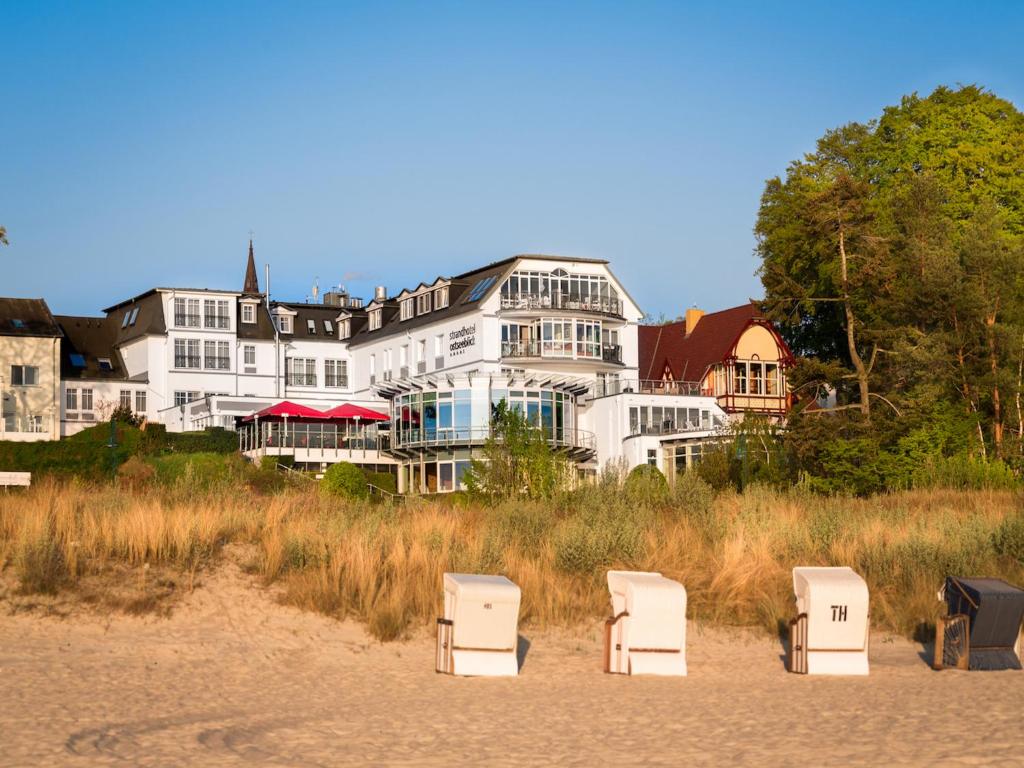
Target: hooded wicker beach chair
478 633
829 636
984 625
646 634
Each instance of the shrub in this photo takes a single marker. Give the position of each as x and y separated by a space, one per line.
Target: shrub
153 439
345 480
1008 538
135 473
645 484
200 470
383 480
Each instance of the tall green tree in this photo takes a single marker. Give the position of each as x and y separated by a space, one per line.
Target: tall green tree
893 255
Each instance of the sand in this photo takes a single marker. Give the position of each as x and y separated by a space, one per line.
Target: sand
232 678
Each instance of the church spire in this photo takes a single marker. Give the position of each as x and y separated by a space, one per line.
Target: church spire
252 284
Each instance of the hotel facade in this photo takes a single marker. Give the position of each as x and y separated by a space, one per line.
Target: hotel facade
556 338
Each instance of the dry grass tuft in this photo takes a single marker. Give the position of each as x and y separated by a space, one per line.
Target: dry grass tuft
382 565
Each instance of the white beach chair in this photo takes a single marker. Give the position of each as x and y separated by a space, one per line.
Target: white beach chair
478 633
829 636
646 634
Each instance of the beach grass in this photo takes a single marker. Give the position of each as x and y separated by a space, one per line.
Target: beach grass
382 564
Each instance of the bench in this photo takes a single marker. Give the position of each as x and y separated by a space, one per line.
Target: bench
22 479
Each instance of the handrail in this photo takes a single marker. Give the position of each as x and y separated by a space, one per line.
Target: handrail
562 349
609 388
415 437
564 301
384 493
293 471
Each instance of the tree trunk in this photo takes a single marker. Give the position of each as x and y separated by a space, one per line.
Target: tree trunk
855 358
972 407
997 408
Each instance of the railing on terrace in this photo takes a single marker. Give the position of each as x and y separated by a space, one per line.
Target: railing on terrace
313 436
605 305
301 379
606 388
563 350
440 438
671 427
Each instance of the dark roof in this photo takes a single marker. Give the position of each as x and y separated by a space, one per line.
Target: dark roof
26 317
86 340
315 312
167 289
148 321
689 357
262 329
461 300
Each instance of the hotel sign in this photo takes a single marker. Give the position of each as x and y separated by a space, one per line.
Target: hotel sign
461 340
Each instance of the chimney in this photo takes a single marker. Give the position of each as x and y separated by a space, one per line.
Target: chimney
380 293
693 316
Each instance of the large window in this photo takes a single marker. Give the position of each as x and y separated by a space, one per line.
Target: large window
300 371
186 353
126 399
335 373
374 319
423 303
249 313
71 400
24 375
406 308
557 337
140 401
215 314
560 290
186 313
183 398
739 379
588 339
86 399
249 354
216 356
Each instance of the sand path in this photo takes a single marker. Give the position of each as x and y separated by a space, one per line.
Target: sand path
233 678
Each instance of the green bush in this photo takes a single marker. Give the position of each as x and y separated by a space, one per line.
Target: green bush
383 480
345 480
212 440
1008 538
153 439
200 470
645 484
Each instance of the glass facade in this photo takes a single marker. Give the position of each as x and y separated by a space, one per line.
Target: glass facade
448 417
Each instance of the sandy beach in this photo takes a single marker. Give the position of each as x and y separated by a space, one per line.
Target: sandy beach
232 678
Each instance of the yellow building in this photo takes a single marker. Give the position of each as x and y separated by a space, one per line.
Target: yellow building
736 355
29 371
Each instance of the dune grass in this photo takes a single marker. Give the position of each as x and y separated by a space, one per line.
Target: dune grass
382 564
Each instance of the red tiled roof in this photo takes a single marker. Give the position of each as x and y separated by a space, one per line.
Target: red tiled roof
689 357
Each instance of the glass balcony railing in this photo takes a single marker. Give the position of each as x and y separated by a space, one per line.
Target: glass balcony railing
609 387
456 436
605 305
563 350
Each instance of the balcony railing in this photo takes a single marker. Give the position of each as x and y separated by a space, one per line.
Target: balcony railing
183 320
216 321
456 436
328 437
302 379
186 361
672 427
606 388
563 350
604 305
218 363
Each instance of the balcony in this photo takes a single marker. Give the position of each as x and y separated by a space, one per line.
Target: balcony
216 321
604 305
218 363
186 361
648 387
573 440
671 427
182 320
301 379
562 350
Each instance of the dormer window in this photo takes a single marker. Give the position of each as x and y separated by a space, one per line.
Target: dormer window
441 297
423 303
344 329
249 313
284 324
375 319
105 364
311 327
406 306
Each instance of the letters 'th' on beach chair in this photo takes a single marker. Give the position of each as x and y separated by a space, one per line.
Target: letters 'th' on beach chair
646 634
478 633
829 636
984 627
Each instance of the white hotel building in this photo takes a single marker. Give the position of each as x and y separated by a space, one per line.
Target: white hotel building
555 337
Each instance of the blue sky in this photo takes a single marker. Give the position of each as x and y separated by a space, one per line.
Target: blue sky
372 143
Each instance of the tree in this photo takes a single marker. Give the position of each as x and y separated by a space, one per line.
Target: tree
895 251
3 236
517 460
